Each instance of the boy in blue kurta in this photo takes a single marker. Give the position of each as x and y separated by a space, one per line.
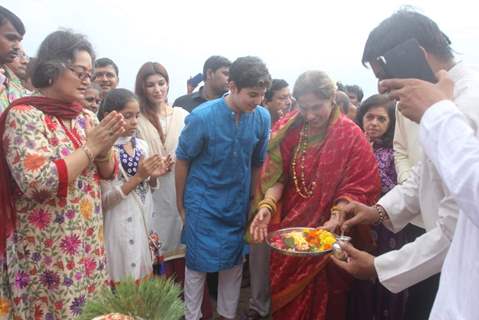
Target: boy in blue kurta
219 155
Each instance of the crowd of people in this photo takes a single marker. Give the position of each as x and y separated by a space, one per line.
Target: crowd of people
99 183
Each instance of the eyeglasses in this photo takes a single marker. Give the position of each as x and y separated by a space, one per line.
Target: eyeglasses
80 72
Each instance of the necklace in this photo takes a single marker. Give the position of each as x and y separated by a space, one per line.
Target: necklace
303 190
71 134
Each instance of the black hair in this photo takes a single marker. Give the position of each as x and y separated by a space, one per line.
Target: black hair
378 100
105 62
56 52
31 64
356 90
7 15
403 25
115 100
250 72
342 100
276 85
214 63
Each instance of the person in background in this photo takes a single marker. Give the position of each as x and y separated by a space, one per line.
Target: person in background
317 159
355 94
19 67
160 125
342 100
52 157
106 75
277 99
92 98
219 155
12 31
126 200
215 76
376 117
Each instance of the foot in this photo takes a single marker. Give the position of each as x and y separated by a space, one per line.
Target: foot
252 315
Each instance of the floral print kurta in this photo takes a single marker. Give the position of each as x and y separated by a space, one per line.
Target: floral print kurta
55 259
13 90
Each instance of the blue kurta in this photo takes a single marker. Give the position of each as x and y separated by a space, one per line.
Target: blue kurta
222 153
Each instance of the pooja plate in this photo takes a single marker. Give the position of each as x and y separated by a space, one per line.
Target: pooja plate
285 234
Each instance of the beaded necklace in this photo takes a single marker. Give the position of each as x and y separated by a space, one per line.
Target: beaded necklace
303 190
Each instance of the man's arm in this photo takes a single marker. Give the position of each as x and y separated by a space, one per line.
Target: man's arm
181 172
451 145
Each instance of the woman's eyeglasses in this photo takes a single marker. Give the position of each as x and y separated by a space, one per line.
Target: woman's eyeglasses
81 72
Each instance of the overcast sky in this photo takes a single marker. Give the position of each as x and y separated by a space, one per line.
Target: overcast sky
290 36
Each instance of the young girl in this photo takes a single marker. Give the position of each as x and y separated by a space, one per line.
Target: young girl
127 201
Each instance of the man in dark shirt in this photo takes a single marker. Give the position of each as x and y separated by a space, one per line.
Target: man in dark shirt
215 73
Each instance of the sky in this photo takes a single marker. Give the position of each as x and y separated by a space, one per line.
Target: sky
289 36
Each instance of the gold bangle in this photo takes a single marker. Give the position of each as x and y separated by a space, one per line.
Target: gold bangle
381 213
270 209
268 203
88 153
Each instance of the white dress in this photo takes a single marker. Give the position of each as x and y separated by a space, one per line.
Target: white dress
166 220
126 240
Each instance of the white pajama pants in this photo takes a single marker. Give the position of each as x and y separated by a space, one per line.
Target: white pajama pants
229 286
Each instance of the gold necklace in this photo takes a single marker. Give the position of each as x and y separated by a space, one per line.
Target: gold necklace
302 189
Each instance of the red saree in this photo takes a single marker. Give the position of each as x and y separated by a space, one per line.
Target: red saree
344 167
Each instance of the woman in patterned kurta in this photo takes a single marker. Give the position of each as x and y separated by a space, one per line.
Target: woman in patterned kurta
49 173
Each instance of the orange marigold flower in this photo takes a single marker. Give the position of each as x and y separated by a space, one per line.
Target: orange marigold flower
86 208
4 307
33 162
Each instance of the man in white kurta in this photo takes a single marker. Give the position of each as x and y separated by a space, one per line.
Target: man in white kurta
454 149
424 193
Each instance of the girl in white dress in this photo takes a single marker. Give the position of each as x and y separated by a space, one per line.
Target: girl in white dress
127 201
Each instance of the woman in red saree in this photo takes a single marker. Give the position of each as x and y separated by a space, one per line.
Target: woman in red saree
317 159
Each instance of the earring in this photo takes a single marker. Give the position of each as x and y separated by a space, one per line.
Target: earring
50 81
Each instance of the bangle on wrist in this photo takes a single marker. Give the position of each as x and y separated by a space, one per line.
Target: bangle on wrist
269 204
381 213
88 153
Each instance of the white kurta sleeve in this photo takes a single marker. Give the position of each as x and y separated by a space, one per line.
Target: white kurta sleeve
402 202
111 194
422 258
451 145
401 159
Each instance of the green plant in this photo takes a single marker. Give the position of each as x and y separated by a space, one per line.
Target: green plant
154 299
